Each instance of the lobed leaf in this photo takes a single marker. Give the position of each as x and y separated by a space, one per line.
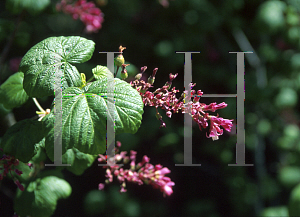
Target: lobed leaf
79 161
39 199
50 55
84 117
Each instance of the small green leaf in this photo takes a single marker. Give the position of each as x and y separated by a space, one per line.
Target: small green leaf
83 80
32 6
22 139
84 117
12 93
39 199
101 72
78 160
55 53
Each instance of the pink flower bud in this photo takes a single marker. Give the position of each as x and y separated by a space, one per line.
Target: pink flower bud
169 114
172 77
154 72
143 69
199 92
118 143
138 76
101 186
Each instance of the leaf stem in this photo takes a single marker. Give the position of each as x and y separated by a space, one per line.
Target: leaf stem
90 79
38 105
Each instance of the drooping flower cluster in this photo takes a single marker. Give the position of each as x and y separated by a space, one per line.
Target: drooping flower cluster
140 173
7 164
88 13
168 101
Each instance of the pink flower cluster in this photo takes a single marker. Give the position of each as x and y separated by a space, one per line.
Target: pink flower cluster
88 13
140 173
168 101
8 162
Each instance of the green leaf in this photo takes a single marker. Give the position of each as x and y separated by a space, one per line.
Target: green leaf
39 199
289 176
101 72
32 6
41 154
78 160
275 211
12 93
84 117
271 16
294 202
21 140
42 61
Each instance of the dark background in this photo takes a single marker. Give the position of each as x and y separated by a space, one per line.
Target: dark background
152 34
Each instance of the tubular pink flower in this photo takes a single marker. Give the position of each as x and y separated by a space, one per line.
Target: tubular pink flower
163 171
167 189
144 160
213 106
